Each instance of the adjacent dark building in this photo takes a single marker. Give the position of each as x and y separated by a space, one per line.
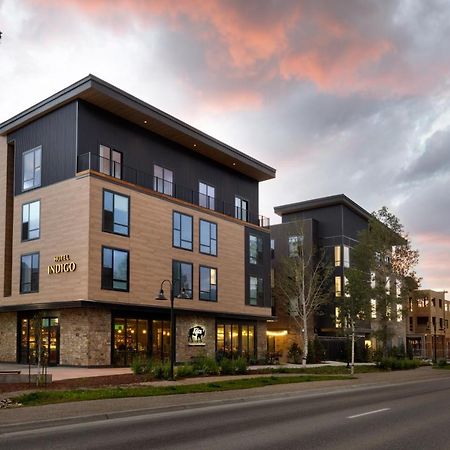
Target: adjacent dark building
329 224
102 197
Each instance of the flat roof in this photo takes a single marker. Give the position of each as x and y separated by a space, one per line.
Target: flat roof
110 98
322 202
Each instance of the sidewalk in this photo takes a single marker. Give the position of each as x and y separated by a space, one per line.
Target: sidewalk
16 419
67 373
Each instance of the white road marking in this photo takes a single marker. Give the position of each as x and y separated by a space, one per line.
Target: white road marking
367 413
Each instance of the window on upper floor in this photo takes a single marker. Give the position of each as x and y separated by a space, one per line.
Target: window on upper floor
241 209
182 231
208 283
29 273
208 237
110 161
116 214
373 308
255 249
337 255
31 168
115 269
272 248
182 279
338 286
440 303
162 180
31 220
256 291
294 244
346 256
206 196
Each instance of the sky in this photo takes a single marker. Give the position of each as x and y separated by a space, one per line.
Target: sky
346 96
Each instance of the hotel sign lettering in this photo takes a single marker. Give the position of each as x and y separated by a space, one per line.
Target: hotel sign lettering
63 264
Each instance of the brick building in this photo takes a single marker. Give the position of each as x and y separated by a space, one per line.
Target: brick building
102 197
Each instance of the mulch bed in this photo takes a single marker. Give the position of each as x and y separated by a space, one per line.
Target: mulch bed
76 383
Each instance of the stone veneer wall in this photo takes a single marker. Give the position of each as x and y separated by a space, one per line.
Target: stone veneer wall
85 337
8 337
184 351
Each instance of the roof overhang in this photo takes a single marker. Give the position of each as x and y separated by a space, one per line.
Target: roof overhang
322 202
108 97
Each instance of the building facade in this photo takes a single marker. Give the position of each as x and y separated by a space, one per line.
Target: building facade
428 335
330 225
103 197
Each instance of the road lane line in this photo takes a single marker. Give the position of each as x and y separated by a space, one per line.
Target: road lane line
367 413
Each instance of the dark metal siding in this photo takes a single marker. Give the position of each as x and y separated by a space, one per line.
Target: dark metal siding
56 133
258 270
141 149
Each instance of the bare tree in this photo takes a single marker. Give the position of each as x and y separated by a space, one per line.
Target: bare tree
303 284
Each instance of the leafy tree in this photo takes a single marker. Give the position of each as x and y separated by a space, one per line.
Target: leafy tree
382 258
303 285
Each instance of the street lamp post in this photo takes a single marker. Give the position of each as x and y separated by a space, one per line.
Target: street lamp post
161 296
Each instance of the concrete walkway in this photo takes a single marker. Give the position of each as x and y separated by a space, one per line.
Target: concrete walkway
67 373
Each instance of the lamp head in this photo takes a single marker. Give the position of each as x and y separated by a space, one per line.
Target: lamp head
161 295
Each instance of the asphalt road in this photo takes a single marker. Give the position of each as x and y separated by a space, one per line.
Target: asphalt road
412 415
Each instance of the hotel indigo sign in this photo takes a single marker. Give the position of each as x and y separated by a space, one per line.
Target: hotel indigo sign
62 264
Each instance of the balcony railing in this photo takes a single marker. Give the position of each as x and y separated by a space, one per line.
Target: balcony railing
91 161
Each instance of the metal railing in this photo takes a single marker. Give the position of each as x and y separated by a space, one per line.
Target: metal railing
91 161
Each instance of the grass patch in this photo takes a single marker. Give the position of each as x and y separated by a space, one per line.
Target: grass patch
48 397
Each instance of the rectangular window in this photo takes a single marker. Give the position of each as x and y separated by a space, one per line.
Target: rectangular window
116 213
399 312
110 161
206 196
338 286
208 237
31 220
29 273
294 244
241 209
182 231
208 283
182 279
162 180
337 255
31 168
272 248
115 270
346 293
255 249
337 314
373 307
346 256
256 291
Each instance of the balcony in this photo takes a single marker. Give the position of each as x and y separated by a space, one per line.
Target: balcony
90 161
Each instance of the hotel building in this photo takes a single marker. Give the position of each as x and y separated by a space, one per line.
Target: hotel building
102 197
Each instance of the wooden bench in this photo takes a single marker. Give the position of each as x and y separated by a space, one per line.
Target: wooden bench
8 372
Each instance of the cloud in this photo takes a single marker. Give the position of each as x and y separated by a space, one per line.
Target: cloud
434 161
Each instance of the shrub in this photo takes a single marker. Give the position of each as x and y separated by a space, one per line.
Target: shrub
139 365
295 353
160 370
206 366
398 364
184 371
240 365
442 363
226 366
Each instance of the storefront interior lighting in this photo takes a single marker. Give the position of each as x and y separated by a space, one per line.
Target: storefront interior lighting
277 333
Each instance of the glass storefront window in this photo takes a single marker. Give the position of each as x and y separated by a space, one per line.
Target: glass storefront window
235 339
